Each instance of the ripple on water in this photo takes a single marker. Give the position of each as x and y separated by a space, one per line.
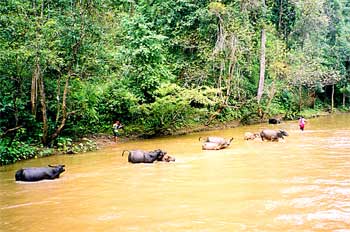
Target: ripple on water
300 189
331 191
271 205
332 215
332 182
345 206
294 219
338 142
308 202
27 204
108 217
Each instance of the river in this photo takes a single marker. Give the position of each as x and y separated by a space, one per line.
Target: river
301 184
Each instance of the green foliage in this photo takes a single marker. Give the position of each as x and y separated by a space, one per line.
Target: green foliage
161 66
309 113
289 102
116 103
68 146
283 16
143 57
174 108
16 151
46 152
345 89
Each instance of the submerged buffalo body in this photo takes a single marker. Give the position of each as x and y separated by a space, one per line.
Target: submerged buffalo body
218 140
36 174
215 143
140 156
274 121
213 146
251 136
272 135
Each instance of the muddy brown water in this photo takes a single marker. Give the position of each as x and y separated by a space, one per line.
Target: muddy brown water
302 184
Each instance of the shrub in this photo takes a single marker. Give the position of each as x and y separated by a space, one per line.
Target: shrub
15 152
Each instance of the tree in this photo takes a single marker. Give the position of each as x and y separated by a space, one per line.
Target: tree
262 55
338 49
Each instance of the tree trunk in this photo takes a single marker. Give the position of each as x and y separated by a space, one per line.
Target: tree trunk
34 87
38 80
280 15
36 72
231 67
262 66
300 100
132 8
213 116
43 110
262 55
314 99
64 109
271 95
332 99
58 93
222 65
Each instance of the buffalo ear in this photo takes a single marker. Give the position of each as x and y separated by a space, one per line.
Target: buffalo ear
160 154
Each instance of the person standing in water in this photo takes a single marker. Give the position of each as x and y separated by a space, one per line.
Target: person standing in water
116 126
302 122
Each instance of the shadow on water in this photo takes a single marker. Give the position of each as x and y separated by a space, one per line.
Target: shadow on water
301 184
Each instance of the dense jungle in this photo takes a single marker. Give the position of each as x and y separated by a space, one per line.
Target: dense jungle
70 68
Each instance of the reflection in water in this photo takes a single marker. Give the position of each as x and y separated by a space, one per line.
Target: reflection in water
302 184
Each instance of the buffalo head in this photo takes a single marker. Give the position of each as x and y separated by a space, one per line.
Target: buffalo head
163 156
59 168
168 158
283 132
159 154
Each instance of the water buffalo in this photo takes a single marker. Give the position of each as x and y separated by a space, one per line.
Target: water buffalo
272 135
218 140
214 146
140 156
274 121
251 136
215 143
40 173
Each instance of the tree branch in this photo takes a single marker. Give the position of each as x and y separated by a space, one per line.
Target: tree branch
10 130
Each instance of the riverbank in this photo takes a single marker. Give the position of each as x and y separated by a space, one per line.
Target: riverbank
104 140
100 141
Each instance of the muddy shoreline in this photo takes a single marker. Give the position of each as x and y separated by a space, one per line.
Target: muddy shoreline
103 140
